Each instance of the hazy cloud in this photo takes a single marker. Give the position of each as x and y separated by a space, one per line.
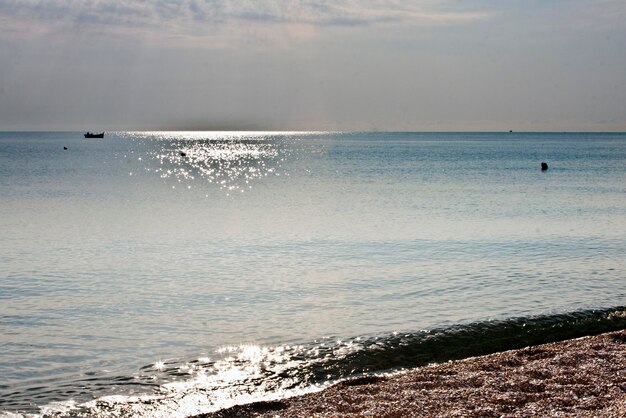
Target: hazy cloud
313 64
198 14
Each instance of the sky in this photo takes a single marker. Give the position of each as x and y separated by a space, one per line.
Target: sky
389 65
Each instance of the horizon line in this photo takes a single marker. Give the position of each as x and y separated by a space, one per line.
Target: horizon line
304 131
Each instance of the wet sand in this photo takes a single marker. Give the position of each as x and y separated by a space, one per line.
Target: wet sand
585 377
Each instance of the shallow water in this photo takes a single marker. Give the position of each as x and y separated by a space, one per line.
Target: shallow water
126 267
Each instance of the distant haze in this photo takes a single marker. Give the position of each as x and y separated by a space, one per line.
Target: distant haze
313 65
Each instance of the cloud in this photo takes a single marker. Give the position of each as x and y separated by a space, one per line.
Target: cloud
202 16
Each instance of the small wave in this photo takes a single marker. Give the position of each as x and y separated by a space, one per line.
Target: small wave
246 373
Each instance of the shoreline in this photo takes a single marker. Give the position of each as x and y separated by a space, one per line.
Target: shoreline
583 377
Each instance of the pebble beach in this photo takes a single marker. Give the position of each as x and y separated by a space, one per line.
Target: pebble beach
584 377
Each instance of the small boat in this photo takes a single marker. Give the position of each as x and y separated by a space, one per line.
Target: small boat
92 135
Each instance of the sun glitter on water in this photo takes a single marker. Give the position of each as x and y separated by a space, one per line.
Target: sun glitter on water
231 161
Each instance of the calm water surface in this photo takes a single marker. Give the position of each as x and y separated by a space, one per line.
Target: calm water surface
178 265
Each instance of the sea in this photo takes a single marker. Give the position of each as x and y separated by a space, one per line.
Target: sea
168 274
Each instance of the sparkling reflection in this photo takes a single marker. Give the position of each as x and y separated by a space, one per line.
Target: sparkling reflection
239 374
247 373
232 161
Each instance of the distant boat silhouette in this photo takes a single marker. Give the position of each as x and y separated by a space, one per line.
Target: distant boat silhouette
92 135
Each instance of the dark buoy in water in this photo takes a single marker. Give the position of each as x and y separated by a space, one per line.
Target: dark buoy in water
544 166
511 131
182 154
65 148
